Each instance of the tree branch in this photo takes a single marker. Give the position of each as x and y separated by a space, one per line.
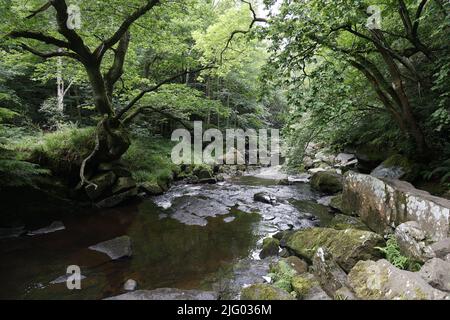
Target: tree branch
40 37
107 44
52 54
155 88
116 70
41 9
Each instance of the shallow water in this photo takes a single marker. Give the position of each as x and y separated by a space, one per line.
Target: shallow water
189 238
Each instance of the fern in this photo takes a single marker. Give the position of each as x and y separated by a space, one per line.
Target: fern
394 256
15 173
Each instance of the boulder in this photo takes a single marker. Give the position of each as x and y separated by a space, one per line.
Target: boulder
303 285
380 280
395 167
202 172
336 203
150 188
297 264
116 248
264 291
330 275
123 184
130 285
265 197
346 246
342 222
99 184
441 248
167 294
271 246
384 204
436 272
116 199
346 160
411 241
53 227
327 181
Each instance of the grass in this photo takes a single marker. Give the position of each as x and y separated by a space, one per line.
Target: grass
148 158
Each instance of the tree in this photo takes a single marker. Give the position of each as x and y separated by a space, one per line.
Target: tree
112 139
308 34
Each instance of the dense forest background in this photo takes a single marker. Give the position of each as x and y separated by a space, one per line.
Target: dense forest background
136 70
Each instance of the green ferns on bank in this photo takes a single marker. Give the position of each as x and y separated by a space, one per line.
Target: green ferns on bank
394 256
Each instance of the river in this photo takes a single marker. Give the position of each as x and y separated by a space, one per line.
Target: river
205 237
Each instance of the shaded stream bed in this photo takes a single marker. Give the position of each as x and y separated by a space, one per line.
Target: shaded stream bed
203 237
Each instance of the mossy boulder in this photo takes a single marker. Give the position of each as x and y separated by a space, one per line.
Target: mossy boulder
327 181
151 188
99 184
123 184
346 246
263 291
380 280
313 208
342 222
302 285
396 167
203 172
336 203
271 246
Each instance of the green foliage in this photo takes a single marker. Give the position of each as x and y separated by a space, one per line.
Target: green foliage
394 256
282 276
149 159
15 173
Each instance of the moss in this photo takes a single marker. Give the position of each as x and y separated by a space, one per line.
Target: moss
329 182
347 246
149 161
301 285
264 292
410 168
270 247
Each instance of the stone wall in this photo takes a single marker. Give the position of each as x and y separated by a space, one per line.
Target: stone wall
383 204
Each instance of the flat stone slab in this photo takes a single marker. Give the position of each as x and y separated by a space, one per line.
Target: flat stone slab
55 226
6 233
166 294
116 248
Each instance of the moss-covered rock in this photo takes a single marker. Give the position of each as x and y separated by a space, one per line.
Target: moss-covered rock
151 188
264 291
336 203
396 167
327 181
99 184
302 285
346 246
342 222
203 171
382 281
123 184
271 246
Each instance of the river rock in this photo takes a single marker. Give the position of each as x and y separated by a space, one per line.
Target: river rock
327 181
411 241
330 275
395 167
6 233
64 278
271 246
380 280
151 188
264 291
336 203
116 199
297 264
166 294
384 204
265 197
441 248
437 273
53 227
130 285
342 222
346 246
100 183
123 184
346 160
116 248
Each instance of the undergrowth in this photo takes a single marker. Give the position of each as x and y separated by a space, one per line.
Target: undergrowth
394 256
